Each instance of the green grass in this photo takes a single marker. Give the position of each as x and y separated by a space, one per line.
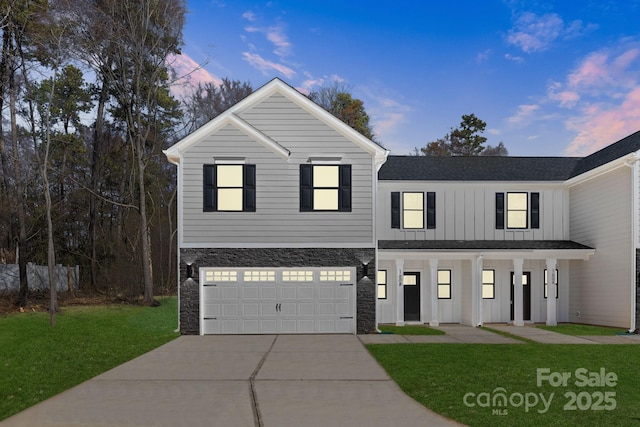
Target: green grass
410 330
576 329
440 375
38 361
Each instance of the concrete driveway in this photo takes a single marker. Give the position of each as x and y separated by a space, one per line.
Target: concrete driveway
258 380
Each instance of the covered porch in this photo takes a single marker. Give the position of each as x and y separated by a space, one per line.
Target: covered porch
475 282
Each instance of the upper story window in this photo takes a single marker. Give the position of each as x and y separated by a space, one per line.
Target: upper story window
229 188
520 210
408 211
325 188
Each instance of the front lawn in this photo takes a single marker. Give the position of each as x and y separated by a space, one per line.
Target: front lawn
577 329
38 361
409 330
467 382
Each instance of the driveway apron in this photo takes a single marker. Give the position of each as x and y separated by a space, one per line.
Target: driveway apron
256 380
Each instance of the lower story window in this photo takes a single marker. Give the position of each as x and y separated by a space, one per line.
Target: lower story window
546 281
488 284
382 284
444 284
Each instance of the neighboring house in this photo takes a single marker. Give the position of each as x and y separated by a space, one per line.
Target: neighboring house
289 221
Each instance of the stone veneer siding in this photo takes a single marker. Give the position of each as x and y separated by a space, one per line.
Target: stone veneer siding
277 257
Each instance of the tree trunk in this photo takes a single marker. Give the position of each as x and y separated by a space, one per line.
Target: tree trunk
96 170
147 265
23 293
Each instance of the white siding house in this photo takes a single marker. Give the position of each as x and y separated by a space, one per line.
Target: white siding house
289 221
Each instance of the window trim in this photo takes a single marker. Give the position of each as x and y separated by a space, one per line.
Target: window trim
545 290
383 285
532 215
210 187
444 284
525 210
307 188
492 284
405 209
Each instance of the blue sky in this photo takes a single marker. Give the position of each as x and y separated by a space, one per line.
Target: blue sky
550 78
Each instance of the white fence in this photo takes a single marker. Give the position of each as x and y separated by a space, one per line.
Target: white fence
38 277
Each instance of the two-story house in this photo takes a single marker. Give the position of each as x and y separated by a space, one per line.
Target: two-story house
289 221
276 227
474 240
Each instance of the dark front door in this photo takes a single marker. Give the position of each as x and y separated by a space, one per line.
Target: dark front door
411 283
526 295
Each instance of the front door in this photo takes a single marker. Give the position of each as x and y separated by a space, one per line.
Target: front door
411 283
526 295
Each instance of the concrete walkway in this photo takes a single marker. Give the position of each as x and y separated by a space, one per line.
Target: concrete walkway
455 334
271 381
548 337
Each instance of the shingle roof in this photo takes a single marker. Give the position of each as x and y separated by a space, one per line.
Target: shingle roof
614 151
428 168
480 244
480 168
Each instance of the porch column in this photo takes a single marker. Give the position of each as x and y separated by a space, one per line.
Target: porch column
551 292
400 293
476 294
433 263
518 315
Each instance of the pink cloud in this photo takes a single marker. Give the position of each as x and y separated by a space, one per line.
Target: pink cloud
525 112
599 126
266 66
188 74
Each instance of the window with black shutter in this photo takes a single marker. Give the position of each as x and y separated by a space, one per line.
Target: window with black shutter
229 188
325 188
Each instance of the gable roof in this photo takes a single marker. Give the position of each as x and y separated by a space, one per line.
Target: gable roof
479 168
275 86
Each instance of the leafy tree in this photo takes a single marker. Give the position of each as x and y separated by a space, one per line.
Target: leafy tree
208 100
465 140
337 100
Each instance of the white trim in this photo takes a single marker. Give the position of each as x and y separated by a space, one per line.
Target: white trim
635 229
601 170
174 153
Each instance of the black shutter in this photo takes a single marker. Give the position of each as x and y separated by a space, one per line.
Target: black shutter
500 211
431 209
395 209
249 188
209 188
344 190
535 210
306 188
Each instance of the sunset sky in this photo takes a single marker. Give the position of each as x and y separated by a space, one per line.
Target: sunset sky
550 78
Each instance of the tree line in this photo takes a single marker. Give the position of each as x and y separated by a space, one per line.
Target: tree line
86 112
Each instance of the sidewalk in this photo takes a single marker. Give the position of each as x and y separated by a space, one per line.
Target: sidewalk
455 334
548 337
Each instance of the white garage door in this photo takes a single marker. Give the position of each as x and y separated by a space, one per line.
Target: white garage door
277 300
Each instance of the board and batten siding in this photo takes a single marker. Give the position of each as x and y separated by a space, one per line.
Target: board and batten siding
601 218
466 211
277 219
